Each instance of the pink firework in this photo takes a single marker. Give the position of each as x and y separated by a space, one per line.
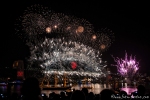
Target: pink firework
127 67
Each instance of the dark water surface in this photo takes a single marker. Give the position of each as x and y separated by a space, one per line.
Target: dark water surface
97 88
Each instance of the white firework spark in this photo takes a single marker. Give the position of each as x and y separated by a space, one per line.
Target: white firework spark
55 55
56 40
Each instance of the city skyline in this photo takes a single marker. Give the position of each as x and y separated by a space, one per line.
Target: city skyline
127 21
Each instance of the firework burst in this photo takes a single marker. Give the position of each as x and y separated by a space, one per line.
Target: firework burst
127 67
38 21
56 55
58 41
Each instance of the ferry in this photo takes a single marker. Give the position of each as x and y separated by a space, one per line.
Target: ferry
3 84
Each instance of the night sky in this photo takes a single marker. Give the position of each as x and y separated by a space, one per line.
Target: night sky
128 21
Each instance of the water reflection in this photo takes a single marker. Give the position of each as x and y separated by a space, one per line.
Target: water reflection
129 90
3 89
16 89
97 88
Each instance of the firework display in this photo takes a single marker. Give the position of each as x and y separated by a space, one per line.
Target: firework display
61 43
127 68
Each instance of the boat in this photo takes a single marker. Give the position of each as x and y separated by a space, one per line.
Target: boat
3 84
88 87
55 87
84 81
16 83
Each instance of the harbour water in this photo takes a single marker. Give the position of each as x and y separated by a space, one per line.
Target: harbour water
97 88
